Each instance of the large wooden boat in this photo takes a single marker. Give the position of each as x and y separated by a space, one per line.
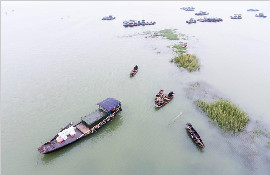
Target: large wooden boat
161 100
108 108
194 135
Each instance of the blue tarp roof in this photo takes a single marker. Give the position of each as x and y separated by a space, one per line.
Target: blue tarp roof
109 103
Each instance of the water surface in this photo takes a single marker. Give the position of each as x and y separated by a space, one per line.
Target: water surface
59 59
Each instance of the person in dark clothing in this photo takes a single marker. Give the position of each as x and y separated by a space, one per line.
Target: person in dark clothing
136 67
171 94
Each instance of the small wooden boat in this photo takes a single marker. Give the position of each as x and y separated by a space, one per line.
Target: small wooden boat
159 95
194 135
184 45
134 71
162 101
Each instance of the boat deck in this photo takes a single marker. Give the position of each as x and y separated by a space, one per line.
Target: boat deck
54 145
83 128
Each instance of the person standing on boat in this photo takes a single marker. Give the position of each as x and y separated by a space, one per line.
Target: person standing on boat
171 94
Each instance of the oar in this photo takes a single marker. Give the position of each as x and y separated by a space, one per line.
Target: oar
173 120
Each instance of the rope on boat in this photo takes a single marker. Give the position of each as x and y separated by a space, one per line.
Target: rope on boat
173 120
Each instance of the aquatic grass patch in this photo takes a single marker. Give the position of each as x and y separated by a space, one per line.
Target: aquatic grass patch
167 33
187 61
178 48
227 115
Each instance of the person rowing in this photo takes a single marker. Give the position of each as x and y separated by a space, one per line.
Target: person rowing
168 96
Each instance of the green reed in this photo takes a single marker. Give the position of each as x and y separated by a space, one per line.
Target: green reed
167 33
187 61
227 115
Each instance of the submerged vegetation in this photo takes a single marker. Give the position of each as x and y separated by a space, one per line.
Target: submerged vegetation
227 115
179 48
187 61
167 33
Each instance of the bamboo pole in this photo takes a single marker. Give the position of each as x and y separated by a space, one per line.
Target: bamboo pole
173 120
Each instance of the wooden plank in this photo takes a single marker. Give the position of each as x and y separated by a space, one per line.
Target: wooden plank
83 128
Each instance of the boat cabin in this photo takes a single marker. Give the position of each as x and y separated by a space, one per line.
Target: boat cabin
109 105
106 107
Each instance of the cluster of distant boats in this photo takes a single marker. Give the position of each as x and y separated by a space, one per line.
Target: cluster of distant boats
201 13
131 23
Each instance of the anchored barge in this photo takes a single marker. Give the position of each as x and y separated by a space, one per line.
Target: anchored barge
108 108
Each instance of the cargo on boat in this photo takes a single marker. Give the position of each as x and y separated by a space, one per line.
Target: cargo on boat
108 108
194 135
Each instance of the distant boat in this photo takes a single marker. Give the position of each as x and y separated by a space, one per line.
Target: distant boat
252 10
125 23
134 71
110 17
236 16
184 45
191 20
201 13
131 23
210 20
260 15
187 8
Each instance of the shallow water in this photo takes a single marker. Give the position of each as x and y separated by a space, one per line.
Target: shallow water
59 59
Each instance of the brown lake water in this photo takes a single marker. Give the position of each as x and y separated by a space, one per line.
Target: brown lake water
58 59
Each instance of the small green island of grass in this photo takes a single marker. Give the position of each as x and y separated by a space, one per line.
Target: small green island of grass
225 114
167 33
187 61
